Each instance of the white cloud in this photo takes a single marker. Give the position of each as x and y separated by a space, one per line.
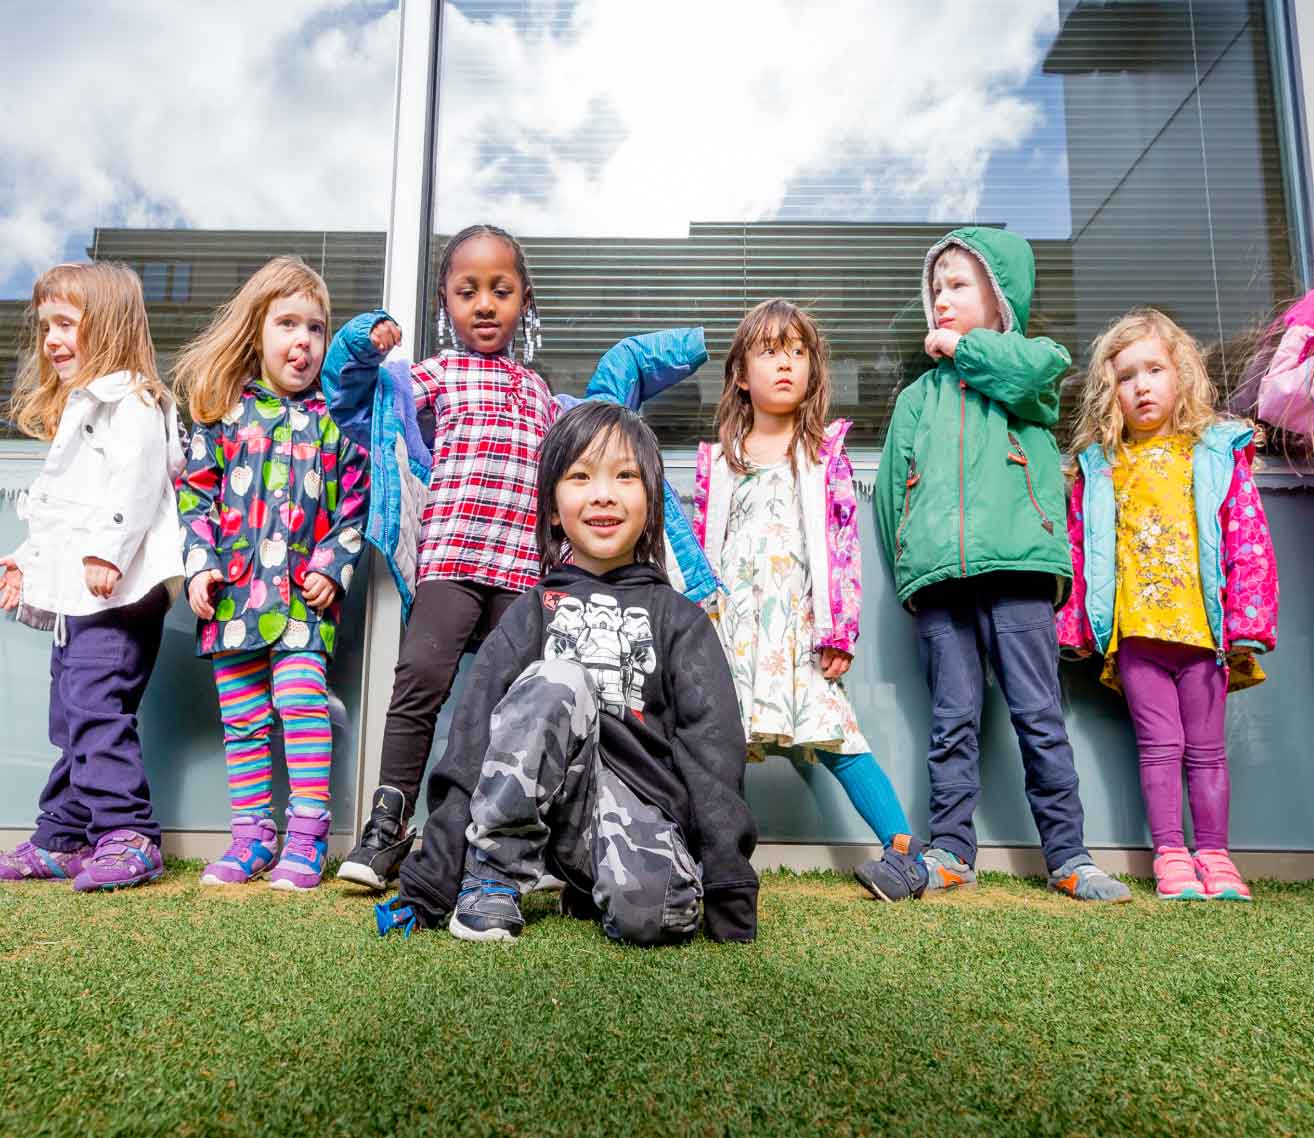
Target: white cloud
248 114
717 107
605 119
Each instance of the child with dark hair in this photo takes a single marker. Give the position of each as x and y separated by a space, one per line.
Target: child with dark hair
465 547
598 738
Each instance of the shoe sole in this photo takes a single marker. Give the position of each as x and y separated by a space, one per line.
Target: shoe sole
207 879
464 932
1184 895
871 887
1229 895
283 885
359 874
1090 900
111 886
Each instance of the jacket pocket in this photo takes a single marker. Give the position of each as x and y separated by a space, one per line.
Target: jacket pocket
1017 455
909 484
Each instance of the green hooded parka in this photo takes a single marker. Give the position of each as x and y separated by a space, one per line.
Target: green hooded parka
969 479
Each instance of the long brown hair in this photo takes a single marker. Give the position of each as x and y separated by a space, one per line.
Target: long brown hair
212 370
1100 418
771 324
113 335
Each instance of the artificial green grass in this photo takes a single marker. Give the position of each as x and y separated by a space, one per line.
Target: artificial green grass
174 1009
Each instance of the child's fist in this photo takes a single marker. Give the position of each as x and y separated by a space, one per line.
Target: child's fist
942 343
834 663
101 577
200 593
385 335
319 591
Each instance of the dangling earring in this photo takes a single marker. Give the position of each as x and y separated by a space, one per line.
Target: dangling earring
531 327
442 324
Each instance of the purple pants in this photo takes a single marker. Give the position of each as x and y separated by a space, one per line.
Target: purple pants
1177 697
97 680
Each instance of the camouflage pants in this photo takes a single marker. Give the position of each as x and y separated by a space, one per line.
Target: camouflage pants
544 793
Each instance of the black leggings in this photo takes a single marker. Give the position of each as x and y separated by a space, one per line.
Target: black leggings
446 617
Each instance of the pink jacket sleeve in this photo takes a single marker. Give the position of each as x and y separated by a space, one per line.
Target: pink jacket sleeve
1250 605
702 487
844 553
1285 397
1074 632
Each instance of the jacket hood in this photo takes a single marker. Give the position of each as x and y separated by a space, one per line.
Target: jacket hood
564 576
1008 262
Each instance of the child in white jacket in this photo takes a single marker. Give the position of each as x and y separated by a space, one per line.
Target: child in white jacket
101 565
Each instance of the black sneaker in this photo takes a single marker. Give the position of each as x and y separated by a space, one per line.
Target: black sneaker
383 845
898 875
486 909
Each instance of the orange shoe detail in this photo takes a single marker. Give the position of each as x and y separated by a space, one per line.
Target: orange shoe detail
900 843
948 878
1068 885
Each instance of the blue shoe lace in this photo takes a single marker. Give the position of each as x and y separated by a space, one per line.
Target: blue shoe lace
492 888
392 914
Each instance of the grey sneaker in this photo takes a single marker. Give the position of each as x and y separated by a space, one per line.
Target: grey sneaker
1081 878
486 909
899 874
944 871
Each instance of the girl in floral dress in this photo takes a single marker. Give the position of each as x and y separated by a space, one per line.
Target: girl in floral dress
272 501
775 510
1174 580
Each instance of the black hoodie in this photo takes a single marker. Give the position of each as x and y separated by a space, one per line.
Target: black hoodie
670 728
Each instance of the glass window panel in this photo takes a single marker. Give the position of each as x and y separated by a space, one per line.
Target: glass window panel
209 150
658 178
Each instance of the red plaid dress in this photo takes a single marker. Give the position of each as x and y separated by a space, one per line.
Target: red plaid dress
478 522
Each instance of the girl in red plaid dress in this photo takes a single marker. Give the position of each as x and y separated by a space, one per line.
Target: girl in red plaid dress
477 550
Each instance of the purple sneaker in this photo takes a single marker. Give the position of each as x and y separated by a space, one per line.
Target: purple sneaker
122 858
305 849
32 863
249 855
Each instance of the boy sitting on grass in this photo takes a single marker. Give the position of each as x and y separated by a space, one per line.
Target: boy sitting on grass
599 737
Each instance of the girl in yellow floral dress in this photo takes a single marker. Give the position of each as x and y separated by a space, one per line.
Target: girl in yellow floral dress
1175 580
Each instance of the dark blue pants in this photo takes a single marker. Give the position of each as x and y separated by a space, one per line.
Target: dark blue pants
1009 619
97 680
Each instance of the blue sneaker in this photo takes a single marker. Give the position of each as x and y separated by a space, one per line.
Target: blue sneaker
392 914
900 874
486 909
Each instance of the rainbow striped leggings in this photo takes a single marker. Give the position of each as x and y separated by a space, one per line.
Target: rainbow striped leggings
300 695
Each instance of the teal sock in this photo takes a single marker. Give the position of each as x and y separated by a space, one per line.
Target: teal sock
870 790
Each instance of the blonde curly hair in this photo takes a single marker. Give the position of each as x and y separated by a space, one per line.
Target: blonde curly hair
1100 418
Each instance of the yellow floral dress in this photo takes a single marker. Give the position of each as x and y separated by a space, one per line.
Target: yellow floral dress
766 624
1158 560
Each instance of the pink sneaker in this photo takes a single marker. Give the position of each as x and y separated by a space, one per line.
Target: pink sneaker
249 855
1174 876
304 850
1221 880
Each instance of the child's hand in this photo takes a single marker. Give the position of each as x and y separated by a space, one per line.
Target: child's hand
942 343
101 577
319 590
385 336
11 584
834 663
200 593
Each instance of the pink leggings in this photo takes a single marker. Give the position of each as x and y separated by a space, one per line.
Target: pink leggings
1177 695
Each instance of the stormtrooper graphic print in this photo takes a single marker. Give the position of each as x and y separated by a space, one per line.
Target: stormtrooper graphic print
615 644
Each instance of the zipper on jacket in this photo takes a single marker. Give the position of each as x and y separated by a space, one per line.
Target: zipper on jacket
962 480
913 478
1019 456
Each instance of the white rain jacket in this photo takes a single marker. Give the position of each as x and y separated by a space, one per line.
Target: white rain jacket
106 491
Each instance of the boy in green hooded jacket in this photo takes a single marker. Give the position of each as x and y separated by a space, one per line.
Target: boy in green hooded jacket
970 508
